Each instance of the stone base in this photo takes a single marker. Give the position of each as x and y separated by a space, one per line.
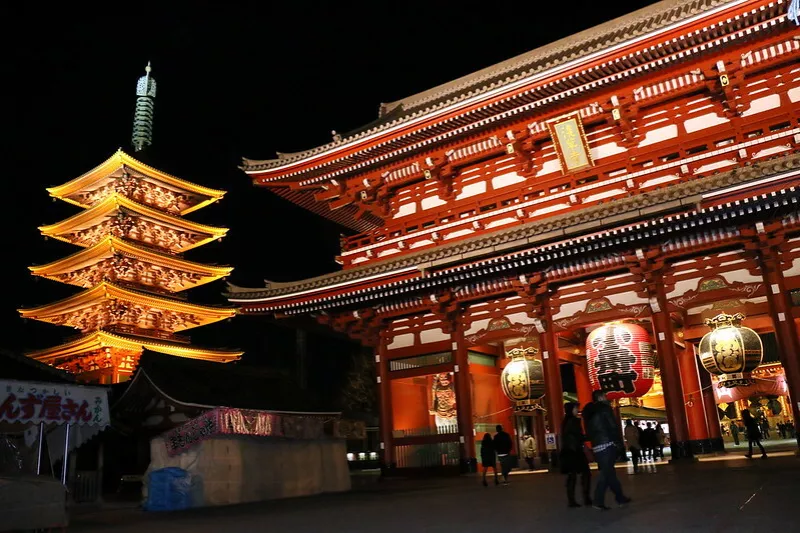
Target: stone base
681 452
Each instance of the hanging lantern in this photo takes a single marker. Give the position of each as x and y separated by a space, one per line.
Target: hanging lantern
522 379
620 360
730 350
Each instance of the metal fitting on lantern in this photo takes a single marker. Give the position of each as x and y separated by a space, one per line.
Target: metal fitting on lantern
522 379
730 350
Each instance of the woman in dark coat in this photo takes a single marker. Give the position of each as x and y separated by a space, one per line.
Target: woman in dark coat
488 458
753 433
573 457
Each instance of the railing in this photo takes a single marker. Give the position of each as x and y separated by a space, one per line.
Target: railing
448 429
419 361
86 487
485 204
427 455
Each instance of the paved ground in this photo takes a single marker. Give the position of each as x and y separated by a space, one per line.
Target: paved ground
727 494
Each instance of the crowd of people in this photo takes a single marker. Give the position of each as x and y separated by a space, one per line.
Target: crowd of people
603 432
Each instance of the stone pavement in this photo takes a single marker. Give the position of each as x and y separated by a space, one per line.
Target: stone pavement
726 494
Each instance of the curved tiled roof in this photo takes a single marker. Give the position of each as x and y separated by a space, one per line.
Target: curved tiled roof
567 225
649 19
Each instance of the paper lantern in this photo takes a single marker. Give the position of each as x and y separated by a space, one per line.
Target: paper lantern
730 350
522 379
620 360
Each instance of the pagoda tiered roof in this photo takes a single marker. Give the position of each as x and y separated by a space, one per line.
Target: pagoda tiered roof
125 175
123 217
108 304
116 259
100 340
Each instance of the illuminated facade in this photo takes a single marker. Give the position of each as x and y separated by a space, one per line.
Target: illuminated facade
131 270
644 171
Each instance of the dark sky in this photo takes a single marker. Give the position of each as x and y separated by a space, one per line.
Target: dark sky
234 79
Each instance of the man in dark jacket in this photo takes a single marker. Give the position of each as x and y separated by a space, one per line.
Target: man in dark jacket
604 434
502 446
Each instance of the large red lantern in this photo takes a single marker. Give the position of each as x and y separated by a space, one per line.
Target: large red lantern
620 360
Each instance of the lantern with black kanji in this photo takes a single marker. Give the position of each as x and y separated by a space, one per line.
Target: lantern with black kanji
730 350
522 379
620 360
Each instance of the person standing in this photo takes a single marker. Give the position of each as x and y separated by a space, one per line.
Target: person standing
632 438
661 439
502 446
488 458
735 433
753 433
528 450
604 434
649 441
573 457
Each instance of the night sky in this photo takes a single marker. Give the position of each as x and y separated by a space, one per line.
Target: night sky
233 80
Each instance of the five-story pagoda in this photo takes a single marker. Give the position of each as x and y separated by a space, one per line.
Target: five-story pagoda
131 268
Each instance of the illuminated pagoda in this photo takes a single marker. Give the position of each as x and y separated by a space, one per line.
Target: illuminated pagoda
132 234
642 173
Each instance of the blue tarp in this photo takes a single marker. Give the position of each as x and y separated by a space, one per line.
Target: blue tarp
169 489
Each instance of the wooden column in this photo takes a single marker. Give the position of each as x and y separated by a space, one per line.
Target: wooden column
780 310
712 415
670 374
554 398
385 399
463 386
693 399
583 384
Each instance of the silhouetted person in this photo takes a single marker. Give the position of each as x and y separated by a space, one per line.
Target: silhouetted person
648 441
604 434
502 446
488 458
632 438
573 456
753 433
661 440
735 434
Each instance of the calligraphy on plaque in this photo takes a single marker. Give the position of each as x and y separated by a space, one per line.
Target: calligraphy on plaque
570 143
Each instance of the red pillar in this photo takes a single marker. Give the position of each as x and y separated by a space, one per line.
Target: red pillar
385 399
463 388
670 375
583 384
780 310
712 414
693 399
554 398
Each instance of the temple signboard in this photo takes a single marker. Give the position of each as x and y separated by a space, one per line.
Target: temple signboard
50 403
570 143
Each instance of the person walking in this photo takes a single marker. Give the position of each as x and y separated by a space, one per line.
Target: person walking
502 447
735 433
573 457
753 433
661 439
631 434
528 450
488 458
604 434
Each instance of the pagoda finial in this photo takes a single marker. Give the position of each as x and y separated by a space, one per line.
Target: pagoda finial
143 115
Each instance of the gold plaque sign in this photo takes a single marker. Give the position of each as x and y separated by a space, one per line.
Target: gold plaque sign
570 142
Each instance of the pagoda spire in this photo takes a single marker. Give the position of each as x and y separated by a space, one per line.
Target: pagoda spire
142 136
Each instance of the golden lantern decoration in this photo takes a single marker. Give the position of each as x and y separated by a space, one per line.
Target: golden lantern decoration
730 350
522 379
